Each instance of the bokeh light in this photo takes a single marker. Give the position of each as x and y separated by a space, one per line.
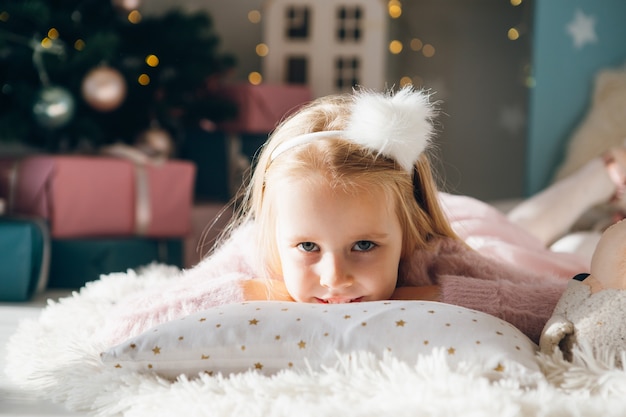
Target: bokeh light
46 42
394 8
416 44
262 49
254 16
395 47
152 60
406 80
255 78
134 17
428 50
53 33
143 79
513 34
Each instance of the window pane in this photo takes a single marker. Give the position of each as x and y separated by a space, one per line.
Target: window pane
297 18
349 20
296 70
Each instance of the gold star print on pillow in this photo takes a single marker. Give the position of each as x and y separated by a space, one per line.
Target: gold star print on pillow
267 336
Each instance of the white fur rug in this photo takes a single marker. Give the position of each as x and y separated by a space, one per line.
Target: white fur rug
57 356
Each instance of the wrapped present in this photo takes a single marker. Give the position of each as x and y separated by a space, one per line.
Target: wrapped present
101 196
24 258
74 262
261 107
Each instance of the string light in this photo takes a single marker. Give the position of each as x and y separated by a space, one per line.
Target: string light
134 17
79 45
152 60
394 8
395 47
53 34
46 42
406 80
513 34
416 44
516 2
428 50
254 16
255 78
4 16
262 49
143 79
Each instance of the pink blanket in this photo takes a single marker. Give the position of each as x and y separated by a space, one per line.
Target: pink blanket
488 231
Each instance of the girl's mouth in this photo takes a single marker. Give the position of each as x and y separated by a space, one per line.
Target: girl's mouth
339 300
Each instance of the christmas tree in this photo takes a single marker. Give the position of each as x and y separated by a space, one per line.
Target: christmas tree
93 72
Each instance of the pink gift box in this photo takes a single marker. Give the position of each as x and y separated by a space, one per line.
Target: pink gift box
101 196
261 107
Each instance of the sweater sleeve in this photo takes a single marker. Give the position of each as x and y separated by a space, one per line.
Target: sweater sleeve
524 298
527 306
168 301
216 280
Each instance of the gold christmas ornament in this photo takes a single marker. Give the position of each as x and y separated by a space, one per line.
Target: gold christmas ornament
104 88
126 5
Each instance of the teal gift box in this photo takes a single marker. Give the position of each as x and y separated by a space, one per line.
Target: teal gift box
24 257
74 262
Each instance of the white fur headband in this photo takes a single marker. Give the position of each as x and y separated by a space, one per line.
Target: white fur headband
395 125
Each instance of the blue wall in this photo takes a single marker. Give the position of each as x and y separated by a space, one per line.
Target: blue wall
564 75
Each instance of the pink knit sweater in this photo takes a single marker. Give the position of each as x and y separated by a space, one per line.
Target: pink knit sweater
508 274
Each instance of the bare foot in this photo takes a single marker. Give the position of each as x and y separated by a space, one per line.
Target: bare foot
615 164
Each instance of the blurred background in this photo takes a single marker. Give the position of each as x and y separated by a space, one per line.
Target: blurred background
151 110
476 56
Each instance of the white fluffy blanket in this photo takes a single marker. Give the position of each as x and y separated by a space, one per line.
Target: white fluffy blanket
57 356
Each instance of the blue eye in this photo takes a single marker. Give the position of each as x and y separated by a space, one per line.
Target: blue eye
364 246
308 246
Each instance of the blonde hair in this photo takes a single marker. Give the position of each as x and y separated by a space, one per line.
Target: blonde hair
345 166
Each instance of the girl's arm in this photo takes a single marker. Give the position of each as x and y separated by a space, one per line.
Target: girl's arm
264 290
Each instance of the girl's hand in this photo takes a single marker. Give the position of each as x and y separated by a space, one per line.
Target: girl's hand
425 293
264 290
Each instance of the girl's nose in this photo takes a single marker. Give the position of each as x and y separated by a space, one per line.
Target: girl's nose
335 273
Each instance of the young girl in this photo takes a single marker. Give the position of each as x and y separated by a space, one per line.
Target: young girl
343 207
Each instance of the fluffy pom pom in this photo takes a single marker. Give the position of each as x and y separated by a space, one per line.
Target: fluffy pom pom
397 125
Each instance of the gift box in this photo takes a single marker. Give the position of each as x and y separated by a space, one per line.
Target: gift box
261 107
24 258
77 261
101 196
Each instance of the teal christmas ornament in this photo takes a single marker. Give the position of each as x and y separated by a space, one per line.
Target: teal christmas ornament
53 107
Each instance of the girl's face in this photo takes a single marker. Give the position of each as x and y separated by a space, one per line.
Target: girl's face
336 247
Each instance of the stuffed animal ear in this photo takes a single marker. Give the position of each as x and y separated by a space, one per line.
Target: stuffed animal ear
555 333
608 264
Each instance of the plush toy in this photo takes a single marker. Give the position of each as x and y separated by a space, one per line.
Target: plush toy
590 310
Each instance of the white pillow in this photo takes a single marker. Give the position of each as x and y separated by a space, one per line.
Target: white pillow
272 335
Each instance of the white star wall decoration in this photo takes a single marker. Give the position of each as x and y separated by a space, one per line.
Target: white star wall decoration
582 29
